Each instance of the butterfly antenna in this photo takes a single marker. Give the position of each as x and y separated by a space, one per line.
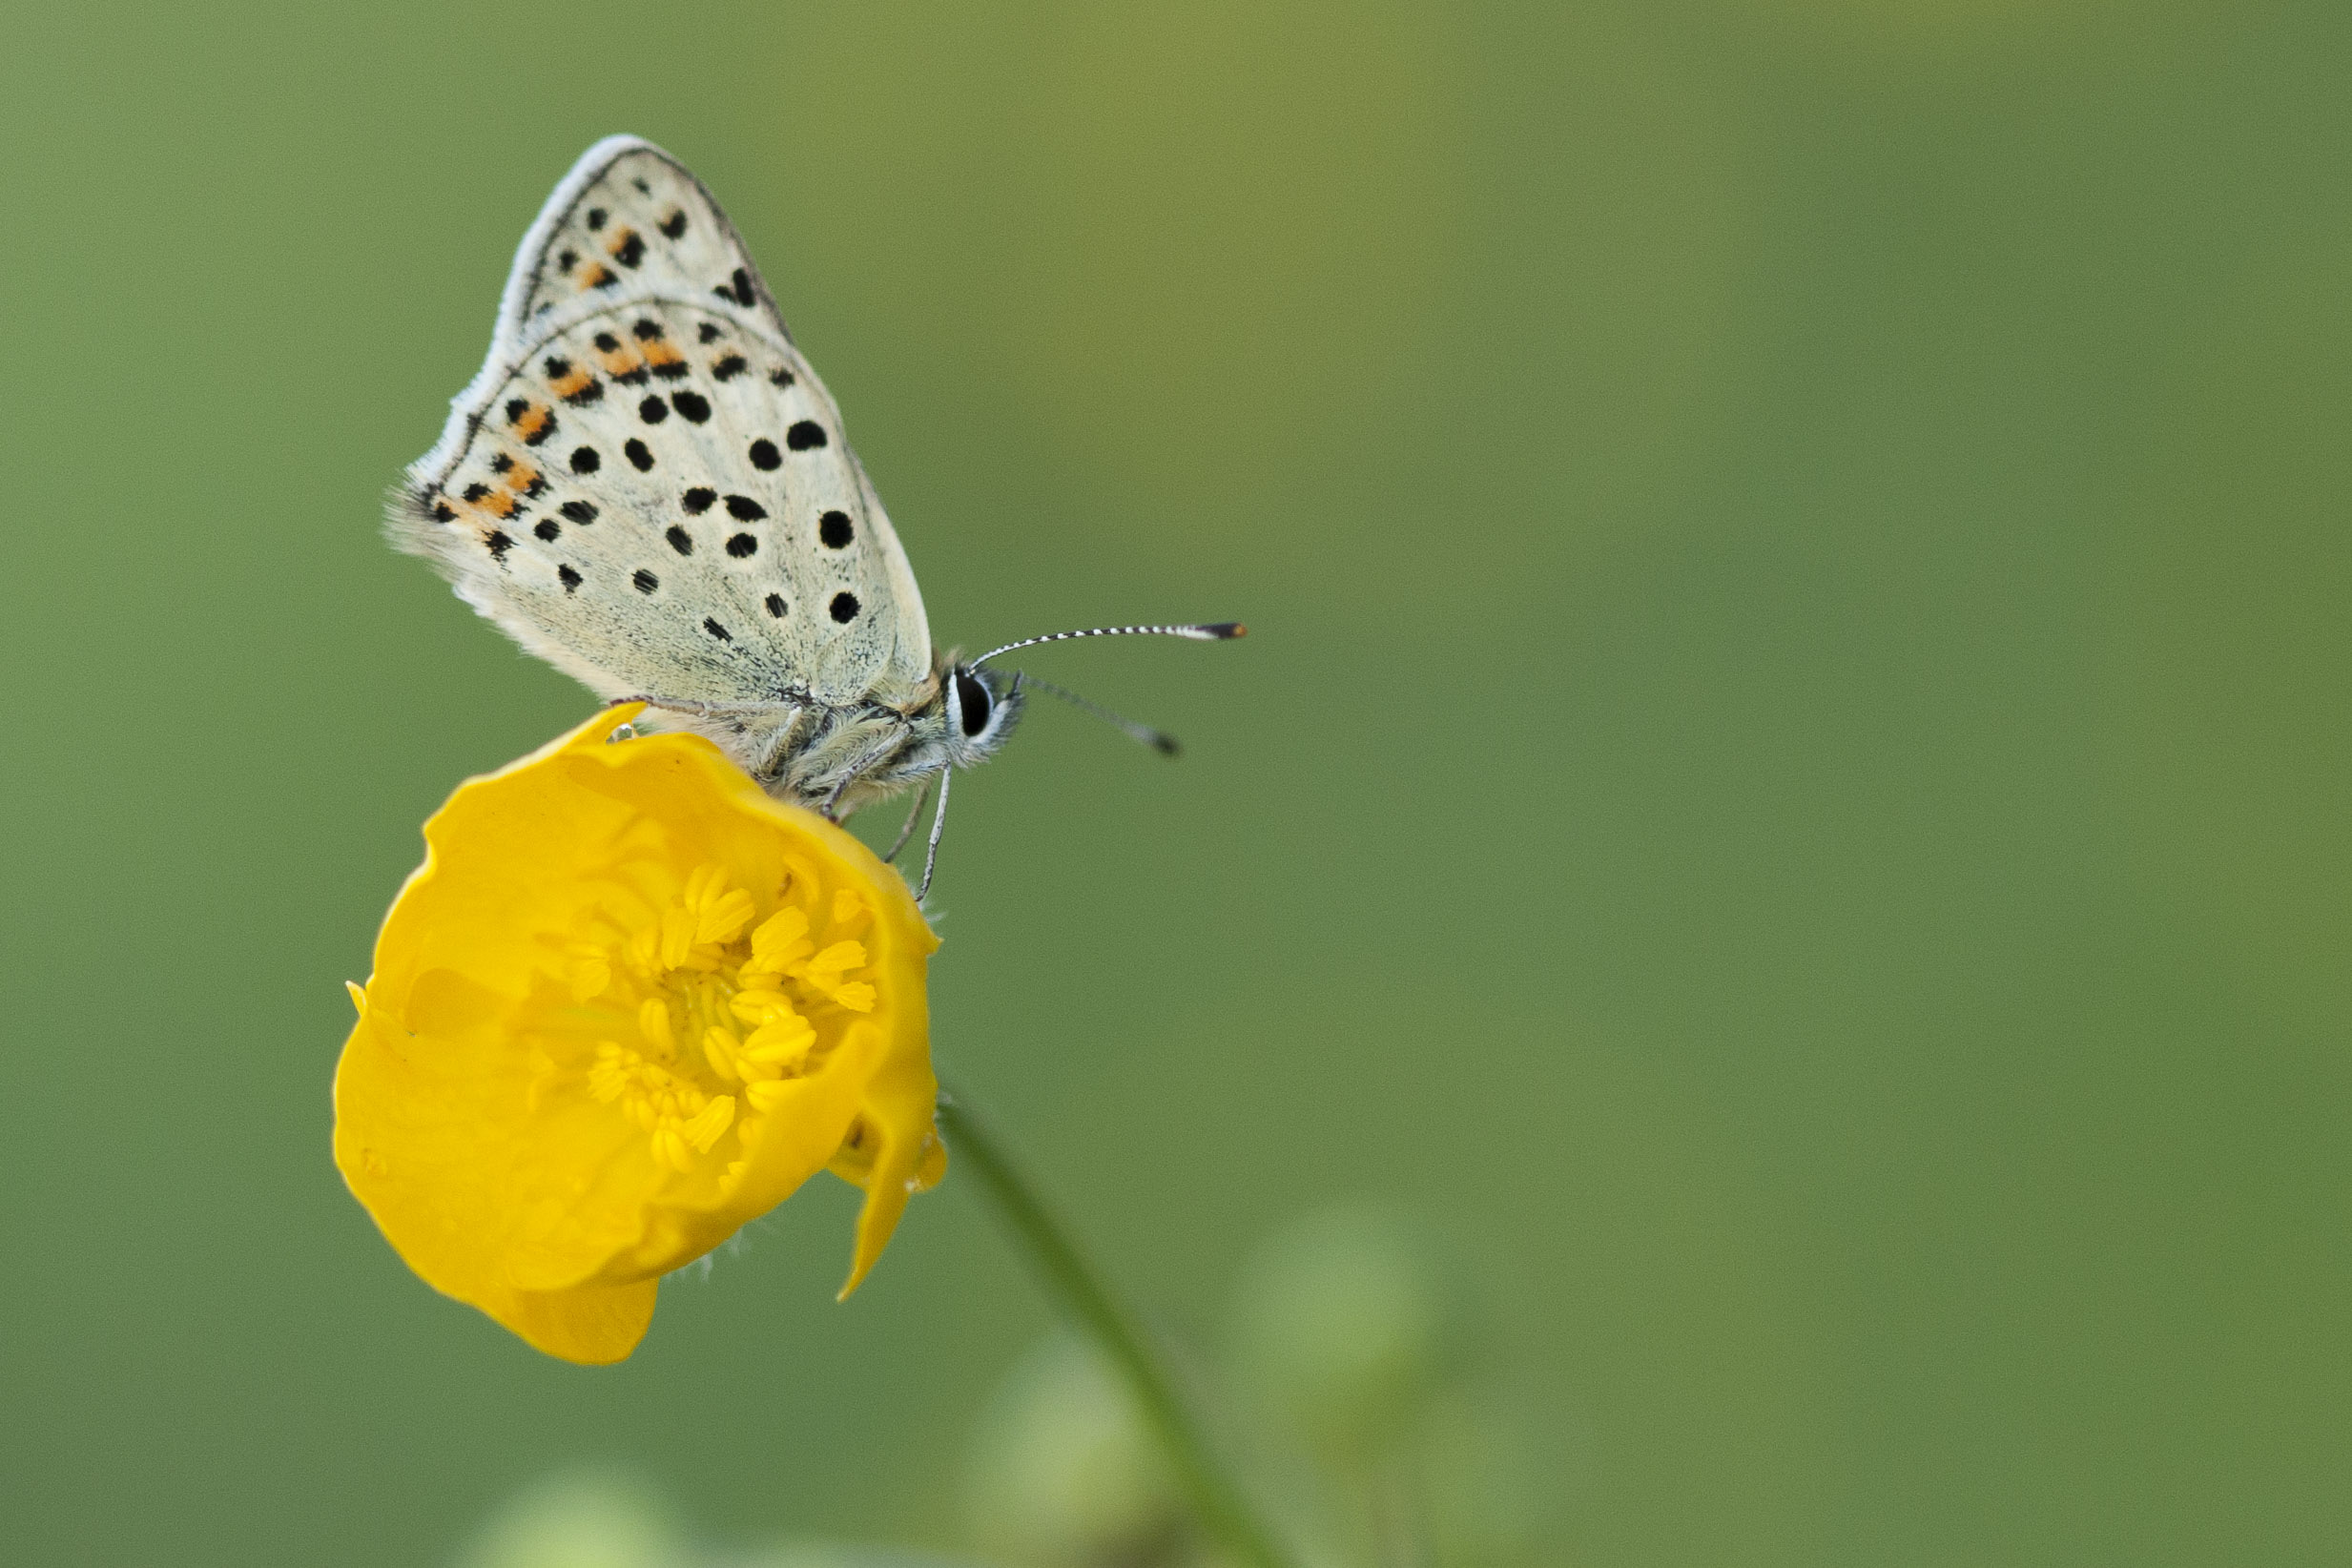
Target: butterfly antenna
1215 633
1159 740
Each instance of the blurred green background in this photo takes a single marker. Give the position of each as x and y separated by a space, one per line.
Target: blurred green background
1787 799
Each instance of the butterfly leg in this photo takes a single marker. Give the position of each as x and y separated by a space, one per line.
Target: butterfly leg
938 826
772 762
911 817
858 769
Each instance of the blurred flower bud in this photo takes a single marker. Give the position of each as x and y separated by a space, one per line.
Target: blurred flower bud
1342 1333
808 1554
1062 1475
583 1519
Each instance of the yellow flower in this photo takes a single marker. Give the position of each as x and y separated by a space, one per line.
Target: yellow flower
628 1003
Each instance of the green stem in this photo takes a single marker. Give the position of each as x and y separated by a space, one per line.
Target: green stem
1082 1292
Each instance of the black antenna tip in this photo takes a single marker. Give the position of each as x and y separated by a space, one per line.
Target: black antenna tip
1165 744
1225 631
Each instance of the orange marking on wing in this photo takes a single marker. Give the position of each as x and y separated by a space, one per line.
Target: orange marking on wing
596 277
534 419
496 503
572 384
658 353
621 361
521 478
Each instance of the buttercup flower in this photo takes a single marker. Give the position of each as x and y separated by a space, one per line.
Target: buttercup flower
628 1003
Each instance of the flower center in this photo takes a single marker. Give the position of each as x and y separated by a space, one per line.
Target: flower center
691 1016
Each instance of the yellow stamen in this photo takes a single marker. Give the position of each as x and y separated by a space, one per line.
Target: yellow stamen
779 1040
711 1122
613 1069
720 1045
780 938
359 996
587 970
755 1006
653 1022
678 937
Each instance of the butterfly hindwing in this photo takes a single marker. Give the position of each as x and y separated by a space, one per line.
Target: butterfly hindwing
645 485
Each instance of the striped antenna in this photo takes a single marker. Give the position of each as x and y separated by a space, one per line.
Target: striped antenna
1159 740
1217 632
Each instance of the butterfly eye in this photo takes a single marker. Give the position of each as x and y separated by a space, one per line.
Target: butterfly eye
971 702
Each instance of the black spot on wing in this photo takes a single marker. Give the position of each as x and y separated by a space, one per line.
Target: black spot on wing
715 629
585 460
730 367
680 540
582 512
805 434
744 509
776 605
653 410
674 225
737 288
765 456
499 545
548 529
741 546
570 578
645 581
638 454
835 531
596 217
692 404
698 500
707 333
843 609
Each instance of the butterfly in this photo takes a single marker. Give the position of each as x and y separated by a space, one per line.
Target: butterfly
648 486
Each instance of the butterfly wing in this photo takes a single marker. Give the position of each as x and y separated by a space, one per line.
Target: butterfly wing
645 485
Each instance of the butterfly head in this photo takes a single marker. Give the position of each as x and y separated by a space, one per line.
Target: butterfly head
981 707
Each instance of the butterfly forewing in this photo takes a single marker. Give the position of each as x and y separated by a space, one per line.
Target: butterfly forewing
629 220
646 485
